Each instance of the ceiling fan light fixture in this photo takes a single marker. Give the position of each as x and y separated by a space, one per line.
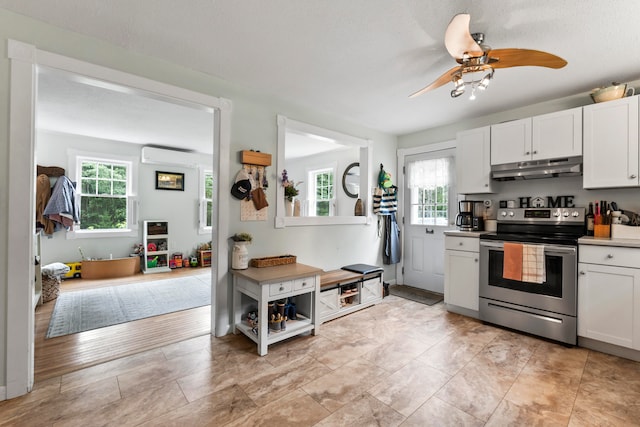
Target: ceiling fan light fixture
457 92
484 82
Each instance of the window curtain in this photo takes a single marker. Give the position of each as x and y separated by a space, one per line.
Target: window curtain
429 174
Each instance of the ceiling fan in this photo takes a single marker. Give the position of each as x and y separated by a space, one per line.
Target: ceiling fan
477 58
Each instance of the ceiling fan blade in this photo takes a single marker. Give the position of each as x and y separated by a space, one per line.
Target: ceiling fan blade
525 57
442 80
457 38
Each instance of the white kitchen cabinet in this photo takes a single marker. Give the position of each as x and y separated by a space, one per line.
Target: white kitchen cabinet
511 142
609 295
473 168
557 135
548 136
462 274
611 144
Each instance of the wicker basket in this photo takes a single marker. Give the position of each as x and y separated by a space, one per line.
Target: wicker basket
50 287
272 261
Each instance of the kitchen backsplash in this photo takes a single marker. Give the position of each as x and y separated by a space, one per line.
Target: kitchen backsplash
626 198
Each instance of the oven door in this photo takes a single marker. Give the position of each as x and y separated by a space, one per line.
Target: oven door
557 294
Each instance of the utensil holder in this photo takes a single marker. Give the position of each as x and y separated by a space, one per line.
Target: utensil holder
602 230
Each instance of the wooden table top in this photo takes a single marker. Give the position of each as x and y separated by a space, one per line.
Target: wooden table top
333 277
278 273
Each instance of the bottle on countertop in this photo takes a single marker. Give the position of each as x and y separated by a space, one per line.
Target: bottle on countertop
590 220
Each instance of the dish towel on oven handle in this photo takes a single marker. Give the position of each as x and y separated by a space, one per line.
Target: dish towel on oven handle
533 266
512 261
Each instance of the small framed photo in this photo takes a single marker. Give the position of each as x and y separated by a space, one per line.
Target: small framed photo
169 181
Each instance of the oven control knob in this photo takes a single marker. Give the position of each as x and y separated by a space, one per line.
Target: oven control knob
575 214
503 213
565 214
511 213
556 213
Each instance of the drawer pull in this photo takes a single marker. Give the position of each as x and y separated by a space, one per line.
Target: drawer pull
582 273
460 244
632 177
609 256
304 284
281 288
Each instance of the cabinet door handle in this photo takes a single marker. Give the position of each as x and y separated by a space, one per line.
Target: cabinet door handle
535 152
475 259
527 153
632 176
486 185
430 231
582 273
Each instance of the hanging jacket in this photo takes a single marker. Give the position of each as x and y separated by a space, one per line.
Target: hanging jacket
62 207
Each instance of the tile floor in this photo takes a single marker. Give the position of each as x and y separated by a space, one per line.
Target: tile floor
396 364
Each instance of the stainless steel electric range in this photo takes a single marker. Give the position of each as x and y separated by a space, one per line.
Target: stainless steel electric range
547 309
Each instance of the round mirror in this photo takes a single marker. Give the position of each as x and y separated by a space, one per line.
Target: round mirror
351 180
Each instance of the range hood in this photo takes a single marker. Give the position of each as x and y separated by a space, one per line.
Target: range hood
535 169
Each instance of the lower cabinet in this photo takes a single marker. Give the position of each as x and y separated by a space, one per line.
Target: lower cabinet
350 296
609 295
329 303
462 274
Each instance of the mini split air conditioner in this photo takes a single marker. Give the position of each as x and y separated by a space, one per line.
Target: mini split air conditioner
161 156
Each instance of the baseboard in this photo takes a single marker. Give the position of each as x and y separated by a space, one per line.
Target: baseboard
615 350
463 311
3 393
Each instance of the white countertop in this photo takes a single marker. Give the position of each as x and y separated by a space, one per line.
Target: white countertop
599 241
461 233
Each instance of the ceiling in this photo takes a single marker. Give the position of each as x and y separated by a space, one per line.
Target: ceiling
360 59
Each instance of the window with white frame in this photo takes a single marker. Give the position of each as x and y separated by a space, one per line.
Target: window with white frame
105 193
206 200
429 182
322 192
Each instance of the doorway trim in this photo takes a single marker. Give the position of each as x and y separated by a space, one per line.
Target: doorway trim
401 154
24 59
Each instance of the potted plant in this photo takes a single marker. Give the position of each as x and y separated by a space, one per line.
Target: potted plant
242 237
290 190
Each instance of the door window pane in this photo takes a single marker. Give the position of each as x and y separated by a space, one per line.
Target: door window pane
429 185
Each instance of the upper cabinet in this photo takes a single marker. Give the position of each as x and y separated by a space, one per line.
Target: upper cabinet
511 142
549 136
473 171
611 144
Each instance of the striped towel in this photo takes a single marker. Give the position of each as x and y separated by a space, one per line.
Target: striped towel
533 269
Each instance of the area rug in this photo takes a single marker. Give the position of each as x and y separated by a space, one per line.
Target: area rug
415 294
84 310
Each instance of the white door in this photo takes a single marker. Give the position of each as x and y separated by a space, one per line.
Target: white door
429 210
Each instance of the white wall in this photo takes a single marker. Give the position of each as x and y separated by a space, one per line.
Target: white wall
179 208
253 126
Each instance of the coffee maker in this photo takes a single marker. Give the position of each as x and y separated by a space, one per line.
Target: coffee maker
470 215
464 219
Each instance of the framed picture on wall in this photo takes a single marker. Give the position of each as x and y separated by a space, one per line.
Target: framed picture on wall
169 181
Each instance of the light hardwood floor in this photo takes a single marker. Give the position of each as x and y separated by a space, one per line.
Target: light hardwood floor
398 363
61 355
